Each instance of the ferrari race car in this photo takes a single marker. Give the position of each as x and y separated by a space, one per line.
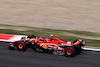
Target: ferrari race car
49 45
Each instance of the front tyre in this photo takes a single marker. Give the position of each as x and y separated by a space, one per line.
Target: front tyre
70 52
21 46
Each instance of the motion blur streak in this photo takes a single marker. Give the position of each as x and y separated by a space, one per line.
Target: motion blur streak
30 58
82 15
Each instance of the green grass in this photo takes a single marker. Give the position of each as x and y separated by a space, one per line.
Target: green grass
57 31
75 32
47 32
93 43
85 33
9 31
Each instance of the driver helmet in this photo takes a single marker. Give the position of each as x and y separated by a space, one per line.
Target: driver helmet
51 35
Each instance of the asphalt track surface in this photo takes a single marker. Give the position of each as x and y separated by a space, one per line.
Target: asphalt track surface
31 58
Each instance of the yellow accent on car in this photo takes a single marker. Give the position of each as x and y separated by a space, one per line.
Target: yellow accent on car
35 41
41 44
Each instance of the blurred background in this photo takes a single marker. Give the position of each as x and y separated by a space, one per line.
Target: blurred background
82 15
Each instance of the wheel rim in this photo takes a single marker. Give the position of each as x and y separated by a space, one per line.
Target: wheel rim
68 52
20 46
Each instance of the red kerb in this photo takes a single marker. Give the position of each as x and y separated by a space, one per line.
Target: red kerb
6 36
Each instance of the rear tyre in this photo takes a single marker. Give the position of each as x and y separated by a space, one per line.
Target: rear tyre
21 46
70 52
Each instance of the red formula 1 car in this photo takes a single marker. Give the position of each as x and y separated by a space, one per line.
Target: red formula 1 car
49 44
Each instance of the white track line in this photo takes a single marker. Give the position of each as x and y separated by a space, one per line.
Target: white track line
16 37
91 49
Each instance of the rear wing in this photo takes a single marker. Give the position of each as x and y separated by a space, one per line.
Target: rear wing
79 42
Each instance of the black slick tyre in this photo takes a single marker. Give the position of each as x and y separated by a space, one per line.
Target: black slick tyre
78 50
21 46
70 52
